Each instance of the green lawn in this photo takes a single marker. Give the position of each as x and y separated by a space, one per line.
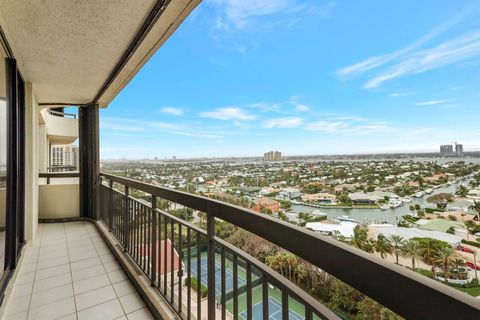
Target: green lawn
473 291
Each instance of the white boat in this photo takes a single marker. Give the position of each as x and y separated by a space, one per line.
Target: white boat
346 218
395 203
428 190
385 207
407 199
419 194
318 213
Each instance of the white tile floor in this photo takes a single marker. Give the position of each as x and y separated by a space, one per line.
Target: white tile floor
69 273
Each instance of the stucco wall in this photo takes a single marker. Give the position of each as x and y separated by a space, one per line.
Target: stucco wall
58 201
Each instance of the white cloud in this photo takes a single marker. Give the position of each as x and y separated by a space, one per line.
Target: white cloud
430 103
412 59
448 52
228 113
266 107
196 135
349 127
399 94
302 108
292 122
123 124
237 23
378 61
172 110
239 14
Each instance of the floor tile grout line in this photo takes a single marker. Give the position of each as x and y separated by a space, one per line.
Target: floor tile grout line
71 275
111 283
35 271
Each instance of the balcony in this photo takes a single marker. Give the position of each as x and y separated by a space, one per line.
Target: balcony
61 127
73 270
69 273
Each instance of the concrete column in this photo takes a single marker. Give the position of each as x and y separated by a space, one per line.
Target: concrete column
42 148
32 154
89 160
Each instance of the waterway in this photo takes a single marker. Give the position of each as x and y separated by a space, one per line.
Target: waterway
369 215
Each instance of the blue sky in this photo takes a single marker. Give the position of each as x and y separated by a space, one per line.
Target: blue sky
239 78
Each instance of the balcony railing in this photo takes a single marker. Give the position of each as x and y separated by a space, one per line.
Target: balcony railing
161 244
62 114
62 169
58 175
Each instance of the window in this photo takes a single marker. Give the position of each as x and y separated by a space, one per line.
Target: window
3 159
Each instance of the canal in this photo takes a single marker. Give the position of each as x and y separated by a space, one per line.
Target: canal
369 215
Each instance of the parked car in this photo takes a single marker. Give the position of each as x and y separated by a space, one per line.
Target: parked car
464 249
472 266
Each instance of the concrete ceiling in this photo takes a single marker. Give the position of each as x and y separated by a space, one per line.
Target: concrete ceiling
68 49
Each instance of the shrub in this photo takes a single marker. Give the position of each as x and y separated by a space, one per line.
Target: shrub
424 272
472 243
194 284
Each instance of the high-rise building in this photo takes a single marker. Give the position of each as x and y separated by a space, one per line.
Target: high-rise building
64 155
459 149
272 156
446 150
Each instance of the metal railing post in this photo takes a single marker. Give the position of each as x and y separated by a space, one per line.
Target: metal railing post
126 217
211 265
154 240
110 205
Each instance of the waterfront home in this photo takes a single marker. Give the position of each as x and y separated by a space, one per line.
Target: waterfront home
323 198
266 204
363 198
289 193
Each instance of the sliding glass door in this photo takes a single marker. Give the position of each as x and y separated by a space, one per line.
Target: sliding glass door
12 167
3 160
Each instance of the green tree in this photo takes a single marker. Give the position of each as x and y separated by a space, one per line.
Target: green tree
429 252
476 207
304 218
396 242
462 191
445 257
360 237
412 249
383 246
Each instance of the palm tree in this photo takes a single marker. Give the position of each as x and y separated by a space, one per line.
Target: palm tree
304 218
383 246
476 207
411 249
397 242
470 227
445 257
429 251
359 237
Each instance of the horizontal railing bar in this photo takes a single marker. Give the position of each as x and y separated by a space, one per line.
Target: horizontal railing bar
59 175
58 113
405 292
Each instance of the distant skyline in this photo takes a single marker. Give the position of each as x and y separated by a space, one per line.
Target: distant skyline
240 78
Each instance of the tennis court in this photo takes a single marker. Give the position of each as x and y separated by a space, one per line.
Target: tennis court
274 310
218 275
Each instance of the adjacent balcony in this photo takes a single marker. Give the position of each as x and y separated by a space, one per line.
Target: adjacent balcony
61 127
